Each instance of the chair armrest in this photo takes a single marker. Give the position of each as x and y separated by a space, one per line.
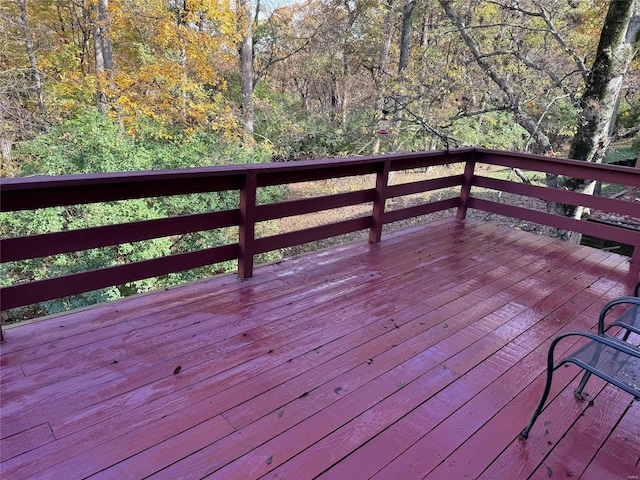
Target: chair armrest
606 340
618 301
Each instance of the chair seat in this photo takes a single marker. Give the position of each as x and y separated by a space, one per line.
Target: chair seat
609 363
613 359
629 319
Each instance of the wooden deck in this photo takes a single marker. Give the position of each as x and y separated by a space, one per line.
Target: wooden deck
418 357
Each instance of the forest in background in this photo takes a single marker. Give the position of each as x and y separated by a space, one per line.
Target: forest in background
303 80
112 85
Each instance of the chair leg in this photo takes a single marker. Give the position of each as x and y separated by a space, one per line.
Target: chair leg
578 391
525 433
625 337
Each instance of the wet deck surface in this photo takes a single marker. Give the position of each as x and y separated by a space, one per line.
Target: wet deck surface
419 357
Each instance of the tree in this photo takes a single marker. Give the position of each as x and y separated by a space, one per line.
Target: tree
511 62
518 27
103 52
153 61
22 105
35 73
245 19
170 66
405 45
601 98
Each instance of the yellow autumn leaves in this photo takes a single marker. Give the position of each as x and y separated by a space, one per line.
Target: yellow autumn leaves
170 59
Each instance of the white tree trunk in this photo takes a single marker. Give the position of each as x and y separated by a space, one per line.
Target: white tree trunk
601 97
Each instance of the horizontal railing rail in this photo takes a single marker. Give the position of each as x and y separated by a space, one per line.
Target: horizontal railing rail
612 174
30 193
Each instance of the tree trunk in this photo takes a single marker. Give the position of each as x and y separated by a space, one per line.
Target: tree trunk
246 66
6 143
35 73
99 59
604 84
407 13
103 52
601 96
387 36
105 27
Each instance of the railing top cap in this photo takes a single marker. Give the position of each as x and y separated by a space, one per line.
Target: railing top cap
219 170
481 155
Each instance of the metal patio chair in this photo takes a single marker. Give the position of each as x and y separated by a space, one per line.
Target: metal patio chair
613 359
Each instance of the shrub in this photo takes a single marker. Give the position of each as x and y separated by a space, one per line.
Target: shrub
93 142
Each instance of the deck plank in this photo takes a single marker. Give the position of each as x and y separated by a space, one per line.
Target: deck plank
415 357
619 456
26 439
180 347
575 450
462 370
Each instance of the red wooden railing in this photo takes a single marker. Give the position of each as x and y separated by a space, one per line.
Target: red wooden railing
38 192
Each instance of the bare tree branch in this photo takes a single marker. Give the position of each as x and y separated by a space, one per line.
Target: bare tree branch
465 114
512 99
544 15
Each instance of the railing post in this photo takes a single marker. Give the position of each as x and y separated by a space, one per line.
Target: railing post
635 257
465 190
246 231
377 221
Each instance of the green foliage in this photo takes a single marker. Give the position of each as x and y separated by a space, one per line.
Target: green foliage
88 143
95 143
629 111
623 150
560 123
492 130
291 133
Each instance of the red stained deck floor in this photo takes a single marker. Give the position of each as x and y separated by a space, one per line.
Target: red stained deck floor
419 357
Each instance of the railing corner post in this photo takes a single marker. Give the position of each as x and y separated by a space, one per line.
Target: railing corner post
635 257
246 230
377 215
465 190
